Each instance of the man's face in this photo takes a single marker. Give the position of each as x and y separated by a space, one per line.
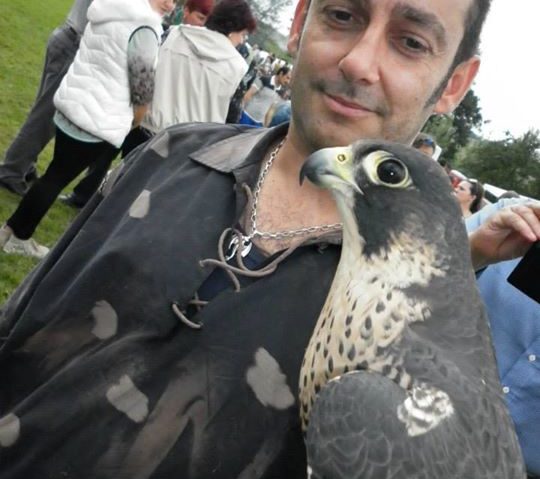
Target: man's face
284 79
194 17
369 68
426 149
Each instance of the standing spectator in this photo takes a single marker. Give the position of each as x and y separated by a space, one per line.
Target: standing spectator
515 327
195 12
262 94
199 69
454 179
237 101
18 170
192 12
281 114
104 93
280 111
425 143
470 194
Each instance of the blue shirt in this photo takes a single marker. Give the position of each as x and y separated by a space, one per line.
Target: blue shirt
515 328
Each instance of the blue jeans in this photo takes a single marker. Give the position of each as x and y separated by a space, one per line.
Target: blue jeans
245 119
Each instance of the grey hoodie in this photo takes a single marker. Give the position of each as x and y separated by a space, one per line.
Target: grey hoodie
198 72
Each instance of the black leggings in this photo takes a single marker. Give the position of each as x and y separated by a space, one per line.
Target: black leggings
71 157
84 190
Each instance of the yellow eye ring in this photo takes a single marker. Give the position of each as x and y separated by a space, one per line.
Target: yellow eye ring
342 158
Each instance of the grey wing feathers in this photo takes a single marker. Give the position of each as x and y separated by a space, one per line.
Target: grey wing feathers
354 433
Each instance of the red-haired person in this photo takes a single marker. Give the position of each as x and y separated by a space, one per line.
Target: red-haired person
196 12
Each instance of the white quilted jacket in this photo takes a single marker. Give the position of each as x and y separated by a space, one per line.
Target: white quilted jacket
95 92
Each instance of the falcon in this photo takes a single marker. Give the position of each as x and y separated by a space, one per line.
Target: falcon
399 378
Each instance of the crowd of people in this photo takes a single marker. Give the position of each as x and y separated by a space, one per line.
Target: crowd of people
158 328
469 192
97 109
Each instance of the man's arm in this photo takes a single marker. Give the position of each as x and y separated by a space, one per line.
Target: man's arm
505 235
138 114
270 114
142 55
474 221
253 89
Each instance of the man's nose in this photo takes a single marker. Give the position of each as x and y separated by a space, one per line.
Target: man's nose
362 63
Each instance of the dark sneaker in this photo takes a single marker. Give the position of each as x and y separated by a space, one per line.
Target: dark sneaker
19 188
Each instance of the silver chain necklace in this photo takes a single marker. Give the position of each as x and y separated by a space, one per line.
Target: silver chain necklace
246 240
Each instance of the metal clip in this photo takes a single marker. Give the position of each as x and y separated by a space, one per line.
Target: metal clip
234 244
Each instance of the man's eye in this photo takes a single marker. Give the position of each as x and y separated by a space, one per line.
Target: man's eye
414 45
341 16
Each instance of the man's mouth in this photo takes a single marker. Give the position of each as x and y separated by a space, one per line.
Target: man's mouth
348 100
346 107
349 103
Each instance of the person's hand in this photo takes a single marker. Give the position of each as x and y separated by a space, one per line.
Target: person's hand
506 235
138 114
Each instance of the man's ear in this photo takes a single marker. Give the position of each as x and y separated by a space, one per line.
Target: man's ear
457 86
297 26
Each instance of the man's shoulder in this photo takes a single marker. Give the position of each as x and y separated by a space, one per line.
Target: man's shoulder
202 133
173 147
222 147
185 138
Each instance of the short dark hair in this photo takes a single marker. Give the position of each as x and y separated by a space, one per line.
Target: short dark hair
231 16
477 190
444 163
469 45
283 70
424 139
509 194
474 21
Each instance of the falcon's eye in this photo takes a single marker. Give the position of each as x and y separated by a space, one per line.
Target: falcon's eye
392 172
384 169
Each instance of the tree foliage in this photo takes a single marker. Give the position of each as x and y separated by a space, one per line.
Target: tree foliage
269 11
511 163
267 36
454 131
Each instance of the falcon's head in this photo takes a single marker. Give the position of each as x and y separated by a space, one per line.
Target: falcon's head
386 189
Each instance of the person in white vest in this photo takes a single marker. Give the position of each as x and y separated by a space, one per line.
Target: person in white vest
103 95
195 12
198 71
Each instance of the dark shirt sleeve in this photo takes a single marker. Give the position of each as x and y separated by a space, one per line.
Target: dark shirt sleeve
142 58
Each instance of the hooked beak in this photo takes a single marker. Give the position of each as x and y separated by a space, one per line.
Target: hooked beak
331 168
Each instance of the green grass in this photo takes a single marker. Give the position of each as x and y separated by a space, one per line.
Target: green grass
25 27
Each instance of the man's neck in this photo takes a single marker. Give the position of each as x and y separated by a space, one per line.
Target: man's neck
284 204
